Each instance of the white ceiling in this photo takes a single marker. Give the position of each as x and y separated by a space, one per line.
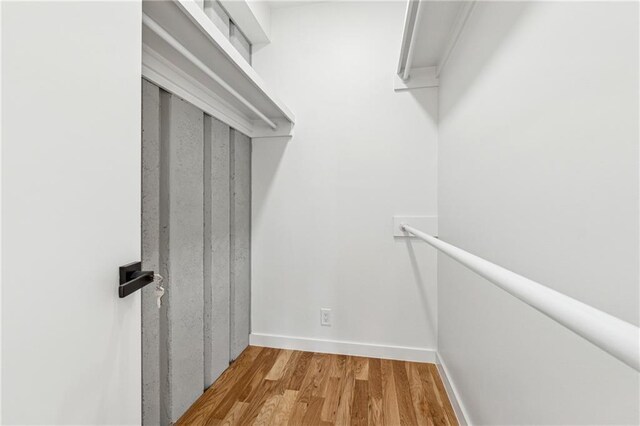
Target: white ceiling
279 4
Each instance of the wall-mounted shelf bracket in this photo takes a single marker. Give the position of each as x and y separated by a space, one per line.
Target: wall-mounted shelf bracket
420 78
431 31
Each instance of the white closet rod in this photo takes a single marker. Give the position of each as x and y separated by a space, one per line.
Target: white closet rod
613 335
163 34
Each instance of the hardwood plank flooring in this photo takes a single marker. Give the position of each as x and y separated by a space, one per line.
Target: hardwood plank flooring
266 386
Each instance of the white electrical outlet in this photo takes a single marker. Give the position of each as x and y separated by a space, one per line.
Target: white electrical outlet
325 317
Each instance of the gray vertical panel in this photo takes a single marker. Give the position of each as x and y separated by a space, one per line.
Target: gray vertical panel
165 388
150 251
213 9
240 42
183 252
240 242
216 283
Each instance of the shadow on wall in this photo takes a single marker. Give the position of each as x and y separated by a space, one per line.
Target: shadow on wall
484 52
420 282
273 155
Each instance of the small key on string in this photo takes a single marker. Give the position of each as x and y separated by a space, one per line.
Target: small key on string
159 289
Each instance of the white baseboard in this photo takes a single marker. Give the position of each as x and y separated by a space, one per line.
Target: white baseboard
454 396
401 353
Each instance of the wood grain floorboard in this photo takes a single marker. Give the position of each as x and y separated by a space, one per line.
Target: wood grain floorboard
295 381
233 416
375 392
312 415
436 413
420 405
389 398
331 401
268 410
403 393
343 414
360 403
214 395
277 370
266 386
284 409
297 414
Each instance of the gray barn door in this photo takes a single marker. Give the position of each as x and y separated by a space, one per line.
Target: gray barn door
240 296
217 245
196 209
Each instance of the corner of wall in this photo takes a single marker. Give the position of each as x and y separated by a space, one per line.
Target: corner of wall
454 396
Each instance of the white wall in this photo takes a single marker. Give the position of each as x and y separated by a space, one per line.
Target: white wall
71 212
538 172
323 202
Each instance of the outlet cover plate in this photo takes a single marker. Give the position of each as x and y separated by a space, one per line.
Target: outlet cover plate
427 224
325 317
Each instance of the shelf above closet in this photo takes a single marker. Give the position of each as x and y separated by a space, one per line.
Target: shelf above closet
431 30
185 53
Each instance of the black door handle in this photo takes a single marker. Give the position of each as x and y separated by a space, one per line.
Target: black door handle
132 278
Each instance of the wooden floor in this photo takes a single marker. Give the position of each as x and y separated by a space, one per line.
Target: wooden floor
267 386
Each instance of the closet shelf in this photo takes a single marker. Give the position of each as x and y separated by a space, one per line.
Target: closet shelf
185 53
431 30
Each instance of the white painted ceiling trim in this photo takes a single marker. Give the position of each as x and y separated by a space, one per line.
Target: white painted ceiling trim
186 54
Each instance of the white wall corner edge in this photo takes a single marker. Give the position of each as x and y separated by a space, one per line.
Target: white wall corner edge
418 78
401 353
428 224
454 396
